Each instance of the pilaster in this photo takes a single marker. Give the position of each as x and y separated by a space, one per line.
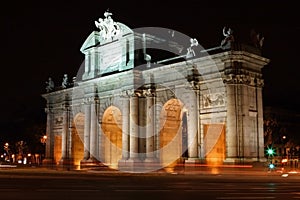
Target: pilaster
93 131
134 127
150 127
134 163
65 162
192 125
125 128
87 129
49 149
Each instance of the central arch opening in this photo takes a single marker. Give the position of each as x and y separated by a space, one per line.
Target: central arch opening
77 140
112 140
171 133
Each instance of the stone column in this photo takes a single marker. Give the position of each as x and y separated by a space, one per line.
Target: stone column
192 125
201 143
231 122
157 128
199 128
49 148
64 139
70 153
134 127
93 131
125 128
122 163
150 117
260 120
86 66
142 126
92 63
86 140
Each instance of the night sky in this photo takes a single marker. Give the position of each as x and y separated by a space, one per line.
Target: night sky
41 39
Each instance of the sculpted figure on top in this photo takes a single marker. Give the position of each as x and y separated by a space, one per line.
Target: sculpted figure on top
228 34
50 85
108 28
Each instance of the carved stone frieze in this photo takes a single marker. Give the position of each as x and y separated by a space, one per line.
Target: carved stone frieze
173 109
213 100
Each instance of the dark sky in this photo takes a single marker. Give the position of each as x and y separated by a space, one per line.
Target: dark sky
41 39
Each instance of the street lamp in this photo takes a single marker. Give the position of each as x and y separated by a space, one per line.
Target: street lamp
284 137
43 141
6 148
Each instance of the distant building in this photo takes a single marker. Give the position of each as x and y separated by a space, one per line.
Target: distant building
283 135
130 111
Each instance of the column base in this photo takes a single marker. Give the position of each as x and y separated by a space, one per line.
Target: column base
151 160
152 164
243 161
191 164
91 163
48 163
122 164
66 164
177 166
193 161
133 165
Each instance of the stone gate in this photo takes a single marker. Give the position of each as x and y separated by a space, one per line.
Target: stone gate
130 112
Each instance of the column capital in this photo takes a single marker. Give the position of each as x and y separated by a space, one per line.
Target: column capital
150 92
65 106
127 93
237 79
259 82
90 100
137 93
195 85
49 109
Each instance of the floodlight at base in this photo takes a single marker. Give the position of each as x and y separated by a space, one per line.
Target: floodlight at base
271 166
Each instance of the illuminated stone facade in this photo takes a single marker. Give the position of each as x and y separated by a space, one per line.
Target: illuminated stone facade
206 109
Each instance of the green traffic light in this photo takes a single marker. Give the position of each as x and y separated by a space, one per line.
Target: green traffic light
270 151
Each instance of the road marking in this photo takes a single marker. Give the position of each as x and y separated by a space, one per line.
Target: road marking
142 190
67 190
8 166
9 189
245 198
199 190
257 193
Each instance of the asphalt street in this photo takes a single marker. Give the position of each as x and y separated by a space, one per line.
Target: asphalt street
38 184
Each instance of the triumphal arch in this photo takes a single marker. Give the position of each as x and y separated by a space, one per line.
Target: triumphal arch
150 98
